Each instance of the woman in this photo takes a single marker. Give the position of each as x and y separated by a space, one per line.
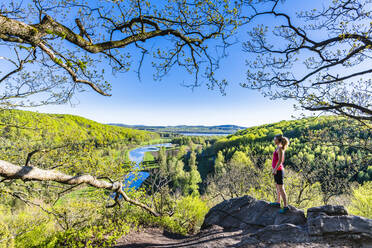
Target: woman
281 143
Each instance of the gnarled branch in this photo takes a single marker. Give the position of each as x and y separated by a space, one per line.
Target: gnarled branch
31 173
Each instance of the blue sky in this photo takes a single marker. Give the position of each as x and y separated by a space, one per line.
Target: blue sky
167 102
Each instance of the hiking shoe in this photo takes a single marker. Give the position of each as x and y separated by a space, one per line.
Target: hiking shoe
274 204
283 210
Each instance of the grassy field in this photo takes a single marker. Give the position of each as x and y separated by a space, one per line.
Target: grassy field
155 141
148 157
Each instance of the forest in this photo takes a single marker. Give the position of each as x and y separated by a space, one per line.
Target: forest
326 155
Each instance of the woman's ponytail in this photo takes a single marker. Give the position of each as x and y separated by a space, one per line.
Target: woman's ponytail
283 140
285 143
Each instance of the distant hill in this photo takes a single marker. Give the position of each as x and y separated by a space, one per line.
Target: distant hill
57 128
184 129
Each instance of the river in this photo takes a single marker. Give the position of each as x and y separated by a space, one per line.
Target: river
134 179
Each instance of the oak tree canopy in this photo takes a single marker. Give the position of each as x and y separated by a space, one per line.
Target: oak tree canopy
57 46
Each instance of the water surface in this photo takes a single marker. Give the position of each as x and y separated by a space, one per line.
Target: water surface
135 178
205 134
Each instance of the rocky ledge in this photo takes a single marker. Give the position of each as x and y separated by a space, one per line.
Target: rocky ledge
261 222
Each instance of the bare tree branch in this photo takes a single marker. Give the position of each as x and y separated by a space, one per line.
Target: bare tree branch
292 61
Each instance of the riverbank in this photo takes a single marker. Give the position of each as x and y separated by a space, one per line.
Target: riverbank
135 178
85 190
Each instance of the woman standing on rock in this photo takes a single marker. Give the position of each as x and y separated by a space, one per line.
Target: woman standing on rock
281 143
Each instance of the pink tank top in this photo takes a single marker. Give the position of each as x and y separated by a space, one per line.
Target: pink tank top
276 159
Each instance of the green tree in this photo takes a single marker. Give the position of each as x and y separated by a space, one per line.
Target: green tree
192 159
181 151
219 164
240 158
180 175
162 160
194 176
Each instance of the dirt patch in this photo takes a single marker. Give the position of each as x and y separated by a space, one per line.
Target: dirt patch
211 238
156 237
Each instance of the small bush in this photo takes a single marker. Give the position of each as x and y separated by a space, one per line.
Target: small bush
87 237
361 203
6 239
189 213
26 227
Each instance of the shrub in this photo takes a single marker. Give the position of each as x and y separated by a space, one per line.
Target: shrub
189 213
6 239
90 236
26 227
361 203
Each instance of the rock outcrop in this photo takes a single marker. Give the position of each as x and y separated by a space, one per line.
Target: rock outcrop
334 221
262 222
327 210
249 223
247 212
